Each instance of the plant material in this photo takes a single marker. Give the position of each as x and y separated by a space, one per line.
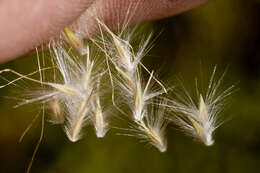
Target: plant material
57 116
73 91
136 93
99 117
75 41
201 118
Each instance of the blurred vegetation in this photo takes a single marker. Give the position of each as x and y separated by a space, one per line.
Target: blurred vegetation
221 32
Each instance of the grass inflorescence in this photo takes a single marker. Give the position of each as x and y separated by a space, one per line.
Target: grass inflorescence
74 87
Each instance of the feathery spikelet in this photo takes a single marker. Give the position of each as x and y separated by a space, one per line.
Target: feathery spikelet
99 118
101 126
75 41
75 92
153 128
77 117
79 88
72 91
57 116
137 94
201 119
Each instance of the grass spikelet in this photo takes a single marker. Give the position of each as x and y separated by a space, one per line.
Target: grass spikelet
56 117
153 127
77 119
137 94
75 41
79 88
100 117
71 91
200 117
74 92
101 126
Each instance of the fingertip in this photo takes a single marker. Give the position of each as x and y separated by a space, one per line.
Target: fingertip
113 12
26 24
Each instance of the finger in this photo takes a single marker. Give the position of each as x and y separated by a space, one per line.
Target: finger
26 24
113 12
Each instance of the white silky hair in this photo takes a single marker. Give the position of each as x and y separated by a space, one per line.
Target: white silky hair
75 93
83 77
200 118
136 93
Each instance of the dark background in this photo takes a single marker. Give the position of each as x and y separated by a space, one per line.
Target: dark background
222 32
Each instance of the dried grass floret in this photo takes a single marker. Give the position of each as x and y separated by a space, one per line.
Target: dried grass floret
136 93
73 91
200 118
100 116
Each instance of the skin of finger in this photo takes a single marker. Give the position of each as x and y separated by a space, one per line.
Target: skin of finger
113 12
27 23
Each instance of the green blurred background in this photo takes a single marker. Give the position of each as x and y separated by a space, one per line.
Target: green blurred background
222 32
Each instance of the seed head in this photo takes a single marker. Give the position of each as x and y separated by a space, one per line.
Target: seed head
136 93
202 118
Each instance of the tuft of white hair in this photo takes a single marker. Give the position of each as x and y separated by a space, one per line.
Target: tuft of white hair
135 92
200 118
